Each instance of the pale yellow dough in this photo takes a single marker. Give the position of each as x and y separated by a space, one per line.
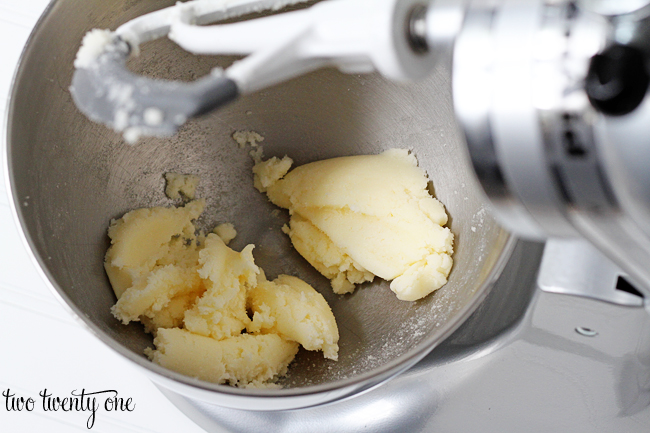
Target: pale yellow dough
226 232
330 260
181 184
359 216
192 292
243 138
293 309
152 263
227 275
270 171
243 360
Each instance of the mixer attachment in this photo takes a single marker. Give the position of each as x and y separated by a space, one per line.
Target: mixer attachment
357 36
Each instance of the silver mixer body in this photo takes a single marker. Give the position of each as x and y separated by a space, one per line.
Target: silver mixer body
560 341
552 99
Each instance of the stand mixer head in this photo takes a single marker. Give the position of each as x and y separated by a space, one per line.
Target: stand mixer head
552 99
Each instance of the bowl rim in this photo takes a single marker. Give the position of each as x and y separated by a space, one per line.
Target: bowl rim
298 397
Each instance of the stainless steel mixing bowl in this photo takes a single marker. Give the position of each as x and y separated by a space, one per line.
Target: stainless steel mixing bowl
69 177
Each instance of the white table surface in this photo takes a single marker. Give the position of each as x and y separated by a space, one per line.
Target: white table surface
41 345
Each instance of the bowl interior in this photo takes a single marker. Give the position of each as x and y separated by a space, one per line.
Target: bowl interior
70 177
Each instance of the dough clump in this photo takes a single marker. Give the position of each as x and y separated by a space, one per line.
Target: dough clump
194 294
292 309
251 138
181 184
92 46
357 217
226 232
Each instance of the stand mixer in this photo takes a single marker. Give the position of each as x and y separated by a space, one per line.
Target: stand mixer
550 96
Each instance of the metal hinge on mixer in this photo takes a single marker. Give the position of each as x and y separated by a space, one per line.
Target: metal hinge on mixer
575 267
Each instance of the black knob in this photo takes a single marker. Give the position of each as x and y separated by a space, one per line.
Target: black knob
617 80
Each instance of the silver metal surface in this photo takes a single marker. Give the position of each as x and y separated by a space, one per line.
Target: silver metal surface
69 177
527 360
519 61
552 162
575 267
475 90
614 8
